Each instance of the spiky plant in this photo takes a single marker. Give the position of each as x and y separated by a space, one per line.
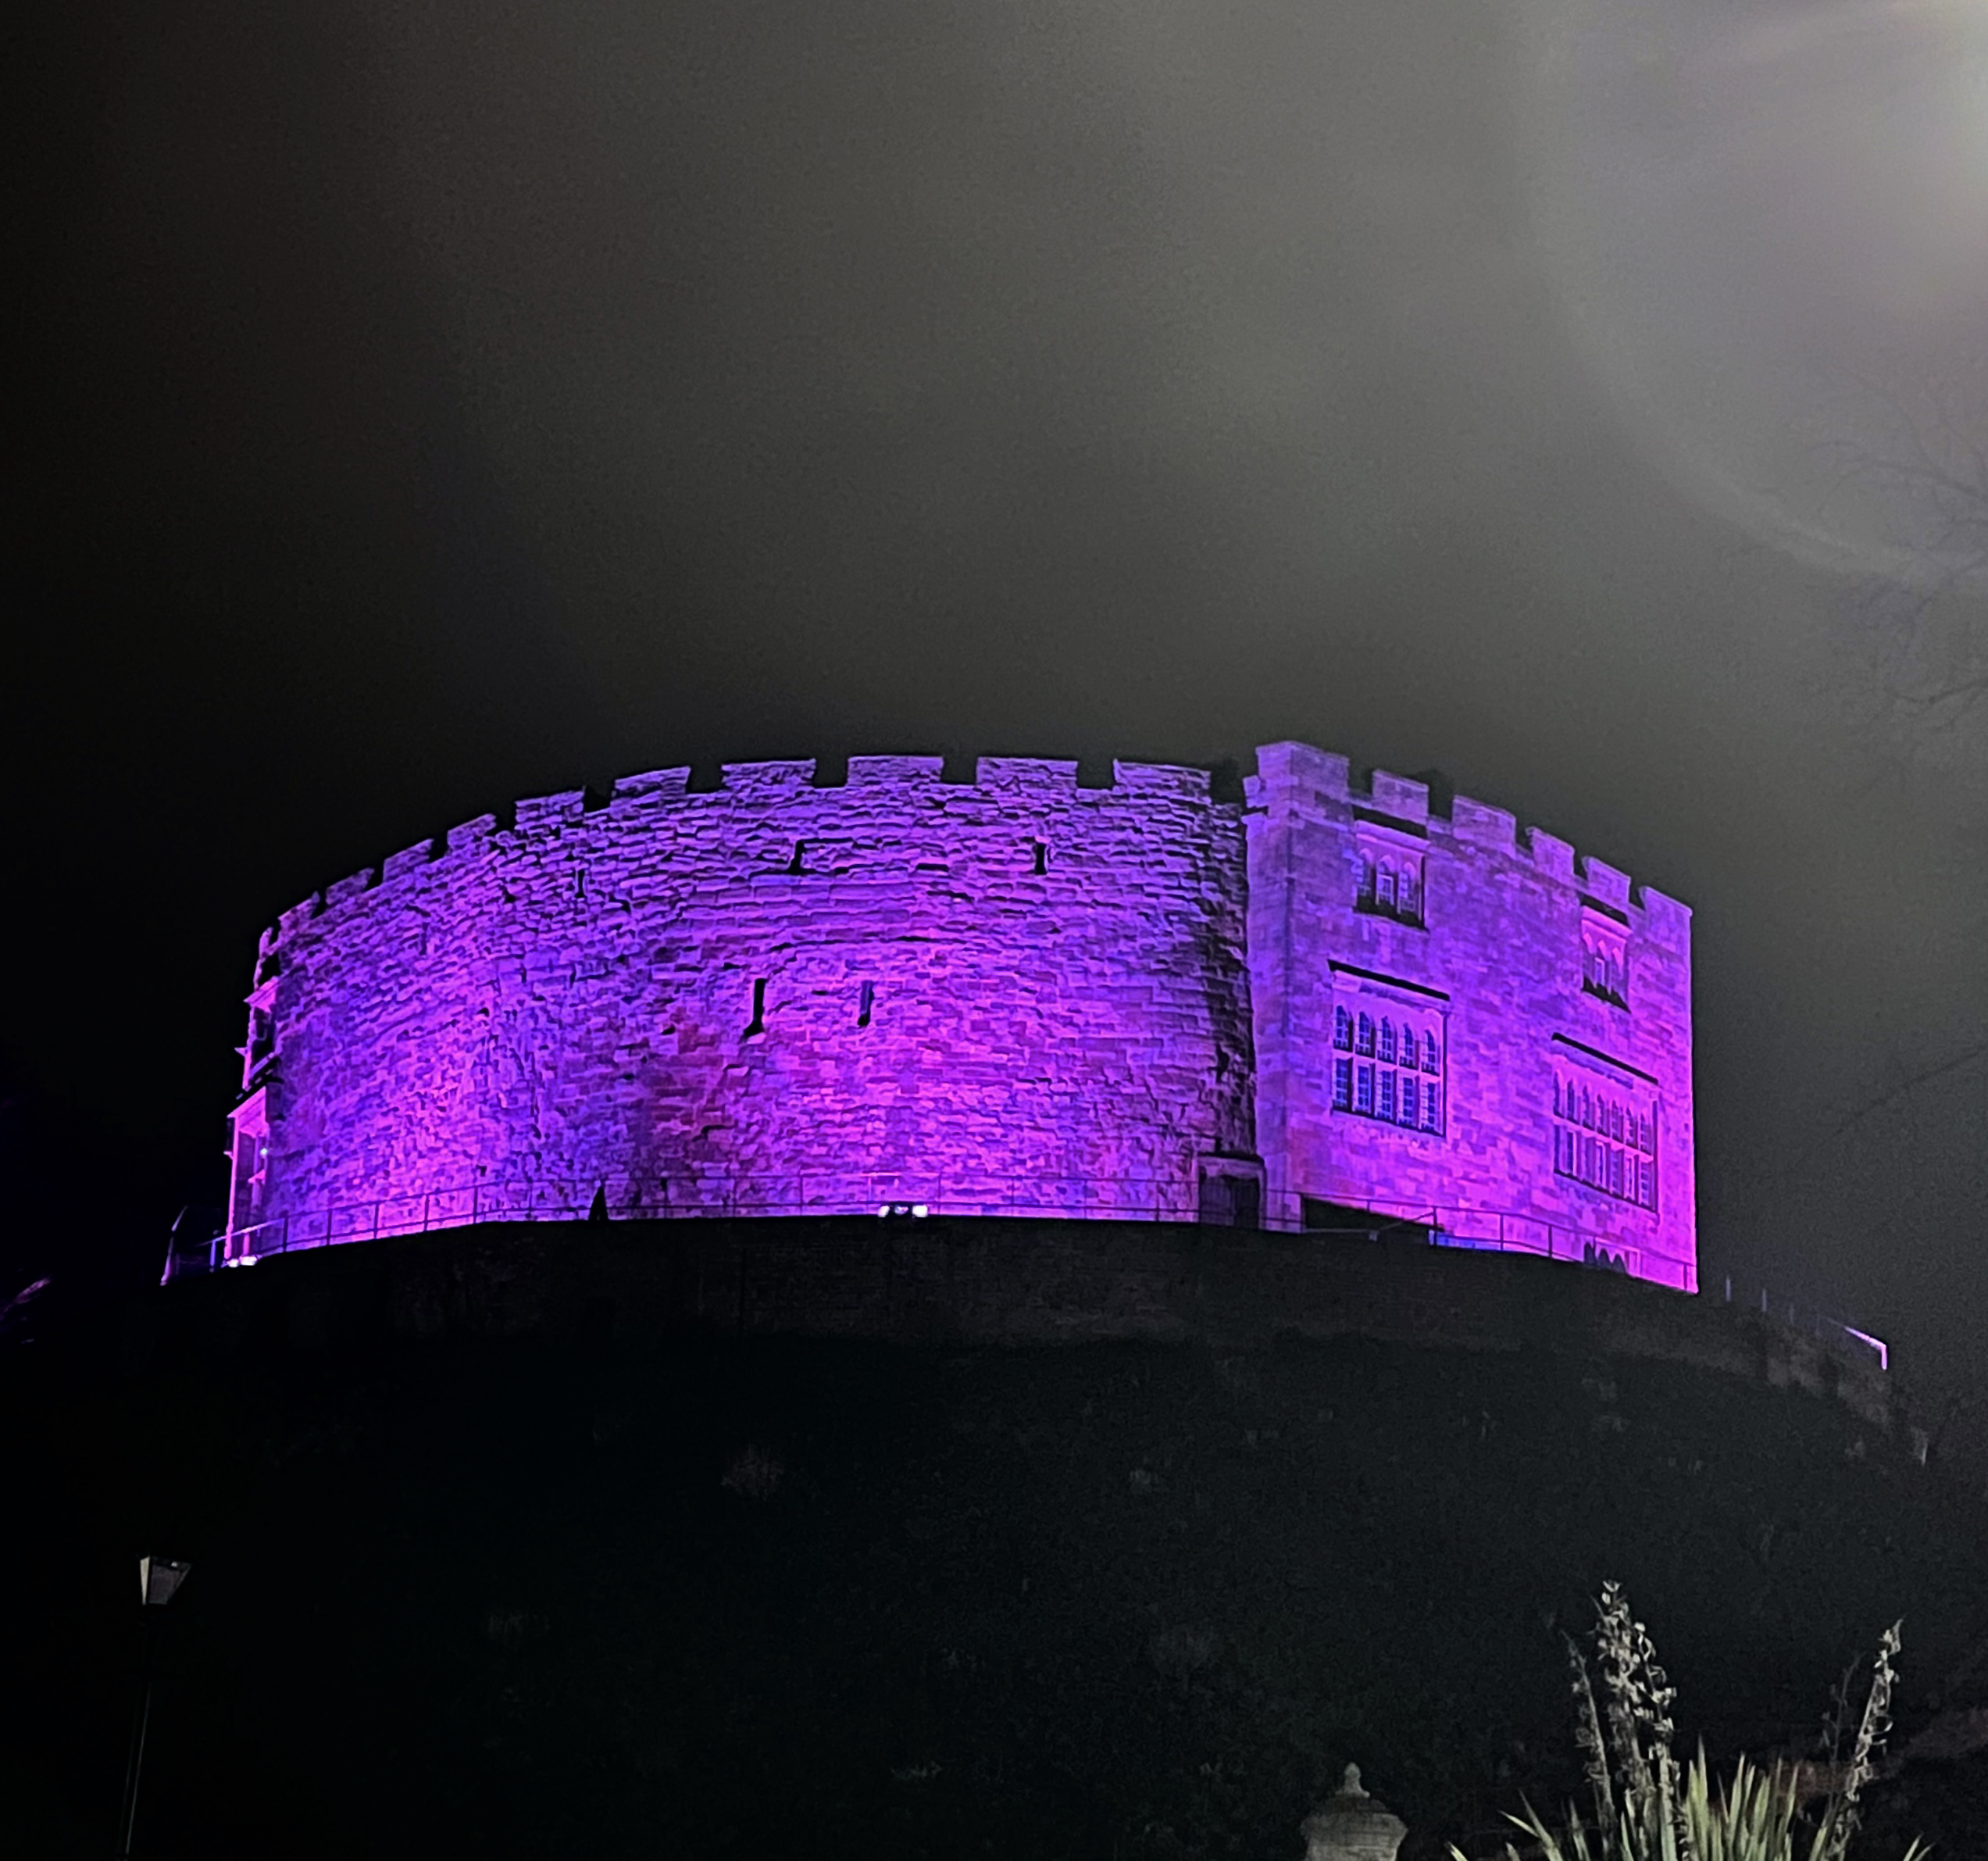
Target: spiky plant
1646 1809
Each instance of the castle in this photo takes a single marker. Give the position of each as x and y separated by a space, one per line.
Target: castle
997 988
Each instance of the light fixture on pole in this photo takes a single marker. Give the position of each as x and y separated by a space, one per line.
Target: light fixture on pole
158 1578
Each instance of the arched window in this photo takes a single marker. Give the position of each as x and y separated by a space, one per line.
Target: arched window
1385 897
1587 1110
1430 1062
1367 880
1364 1043
1342 1028
1408 893
1387 1040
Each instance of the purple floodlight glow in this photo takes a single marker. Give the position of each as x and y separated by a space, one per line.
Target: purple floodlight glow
1012 993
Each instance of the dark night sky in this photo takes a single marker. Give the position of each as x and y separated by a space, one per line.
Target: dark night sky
419 407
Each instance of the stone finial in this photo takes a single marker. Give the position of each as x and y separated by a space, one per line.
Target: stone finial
1352 1826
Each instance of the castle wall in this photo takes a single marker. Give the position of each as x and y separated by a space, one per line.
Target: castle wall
1557 996
1010 991
1014 993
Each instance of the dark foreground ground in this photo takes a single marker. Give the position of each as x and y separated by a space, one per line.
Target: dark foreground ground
758 1597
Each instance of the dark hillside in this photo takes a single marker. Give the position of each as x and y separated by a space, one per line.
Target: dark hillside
755 1596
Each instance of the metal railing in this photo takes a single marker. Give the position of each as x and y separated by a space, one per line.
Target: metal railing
556 1199
1168 1198
1501 1231
1817 1324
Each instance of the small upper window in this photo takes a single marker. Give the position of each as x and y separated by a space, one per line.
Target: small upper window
1387 1040
1342 1028
1391 879
1604 959
1431 1062
1365 1044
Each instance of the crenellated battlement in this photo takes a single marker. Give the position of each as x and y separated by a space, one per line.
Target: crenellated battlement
643 799
1286 771
1294 775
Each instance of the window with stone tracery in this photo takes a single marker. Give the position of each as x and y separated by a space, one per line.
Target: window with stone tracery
1386 1065
1390 877
1604 1137
1604 959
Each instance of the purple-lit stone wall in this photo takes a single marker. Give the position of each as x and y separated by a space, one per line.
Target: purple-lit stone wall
1013 991
1491 956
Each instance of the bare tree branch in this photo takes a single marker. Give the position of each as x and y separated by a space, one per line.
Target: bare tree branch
1891 1095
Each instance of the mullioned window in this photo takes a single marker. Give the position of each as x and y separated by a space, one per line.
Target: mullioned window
1391 883
1388 1067
1604 959
1604 1139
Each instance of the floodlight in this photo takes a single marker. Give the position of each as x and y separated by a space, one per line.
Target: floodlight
159 1578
